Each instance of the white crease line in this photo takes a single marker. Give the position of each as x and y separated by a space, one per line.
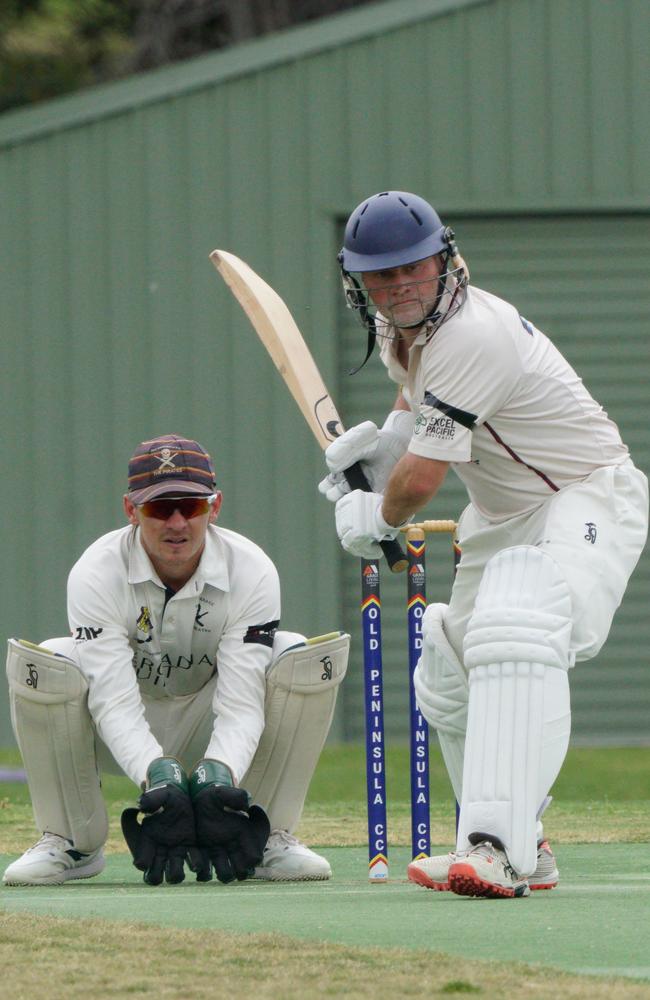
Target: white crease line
127 895
124 895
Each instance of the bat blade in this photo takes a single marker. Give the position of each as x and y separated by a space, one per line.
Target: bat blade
277 329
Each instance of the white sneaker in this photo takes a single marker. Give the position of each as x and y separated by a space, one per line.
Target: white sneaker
433 872
53 861
485 871
287 860
546 875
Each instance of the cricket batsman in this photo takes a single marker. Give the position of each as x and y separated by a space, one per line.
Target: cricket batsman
556 521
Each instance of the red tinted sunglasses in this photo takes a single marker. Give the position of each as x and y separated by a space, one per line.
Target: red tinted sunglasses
188 507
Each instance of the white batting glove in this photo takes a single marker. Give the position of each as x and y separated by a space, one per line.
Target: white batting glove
360 525
377 450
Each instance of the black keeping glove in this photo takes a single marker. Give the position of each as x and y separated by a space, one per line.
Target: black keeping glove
166 837
230 832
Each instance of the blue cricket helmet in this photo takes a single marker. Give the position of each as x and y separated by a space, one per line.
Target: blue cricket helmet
390 229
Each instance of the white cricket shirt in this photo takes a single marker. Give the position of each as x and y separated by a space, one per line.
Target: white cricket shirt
495 398
133 637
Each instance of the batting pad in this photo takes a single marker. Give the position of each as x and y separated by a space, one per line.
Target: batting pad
301 689
48 698
441 692
519 718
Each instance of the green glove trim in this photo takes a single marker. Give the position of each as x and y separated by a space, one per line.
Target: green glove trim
209 772
166 771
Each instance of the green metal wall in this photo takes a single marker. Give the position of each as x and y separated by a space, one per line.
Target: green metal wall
114 325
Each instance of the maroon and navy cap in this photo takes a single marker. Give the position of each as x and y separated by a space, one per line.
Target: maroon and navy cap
171 465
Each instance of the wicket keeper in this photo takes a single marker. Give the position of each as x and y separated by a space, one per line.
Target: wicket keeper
175 674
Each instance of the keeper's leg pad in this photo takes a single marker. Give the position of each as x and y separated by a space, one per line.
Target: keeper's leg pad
517 653
301 688
441 692
48 697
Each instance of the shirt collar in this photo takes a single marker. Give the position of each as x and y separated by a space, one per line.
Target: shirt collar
212 568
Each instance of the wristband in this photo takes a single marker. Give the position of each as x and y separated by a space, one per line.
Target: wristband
209 772
165 771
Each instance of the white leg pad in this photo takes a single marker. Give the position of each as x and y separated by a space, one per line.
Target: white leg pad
519 720
48 697
301 688
441 691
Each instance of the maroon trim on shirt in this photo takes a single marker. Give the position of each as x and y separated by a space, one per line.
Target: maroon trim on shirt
513 454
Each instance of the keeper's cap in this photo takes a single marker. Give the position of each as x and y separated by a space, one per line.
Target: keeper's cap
170 465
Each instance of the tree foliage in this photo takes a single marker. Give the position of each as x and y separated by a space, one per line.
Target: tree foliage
53 47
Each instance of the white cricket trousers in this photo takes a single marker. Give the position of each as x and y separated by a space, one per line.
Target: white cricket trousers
595 530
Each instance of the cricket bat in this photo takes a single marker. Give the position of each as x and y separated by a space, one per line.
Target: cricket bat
277 329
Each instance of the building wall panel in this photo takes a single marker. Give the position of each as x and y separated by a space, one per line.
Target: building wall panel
115 326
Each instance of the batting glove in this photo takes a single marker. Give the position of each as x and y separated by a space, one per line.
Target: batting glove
360 525
377 450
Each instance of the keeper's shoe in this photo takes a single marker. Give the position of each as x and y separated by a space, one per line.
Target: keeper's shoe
433 872
53 861
486 872
287 860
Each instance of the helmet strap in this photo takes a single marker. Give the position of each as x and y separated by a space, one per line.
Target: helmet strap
372 337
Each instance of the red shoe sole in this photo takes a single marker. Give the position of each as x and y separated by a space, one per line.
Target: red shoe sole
544 885
418 876
464 881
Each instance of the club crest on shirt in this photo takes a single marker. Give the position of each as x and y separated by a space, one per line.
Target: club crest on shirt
144 624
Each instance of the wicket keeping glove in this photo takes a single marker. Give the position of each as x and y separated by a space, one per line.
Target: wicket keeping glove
230 832
166 837
360 525
377 450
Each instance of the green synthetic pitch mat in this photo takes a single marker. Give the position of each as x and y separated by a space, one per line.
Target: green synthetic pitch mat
595 922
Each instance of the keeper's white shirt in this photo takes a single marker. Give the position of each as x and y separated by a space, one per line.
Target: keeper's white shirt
495 398
132 638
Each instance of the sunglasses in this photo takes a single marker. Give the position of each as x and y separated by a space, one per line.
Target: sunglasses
188 507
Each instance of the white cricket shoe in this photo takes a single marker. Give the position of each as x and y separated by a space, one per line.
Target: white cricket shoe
287 860
433 872
546 875
53 861
485 871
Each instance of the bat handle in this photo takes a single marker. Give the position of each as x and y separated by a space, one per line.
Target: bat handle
395 556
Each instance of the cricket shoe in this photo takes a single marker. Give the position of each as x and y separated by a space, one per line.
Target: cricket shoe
287 860
53 861
486 872
433 872
546 875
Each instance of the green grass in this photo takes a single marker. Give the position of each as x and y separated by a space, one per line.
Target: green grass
601 796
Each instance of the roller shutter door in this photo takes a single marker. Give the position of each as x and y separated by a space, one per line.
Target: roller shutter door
584 280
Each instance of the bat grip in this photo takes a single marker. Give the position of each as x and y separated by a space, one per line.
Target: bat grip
391 548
